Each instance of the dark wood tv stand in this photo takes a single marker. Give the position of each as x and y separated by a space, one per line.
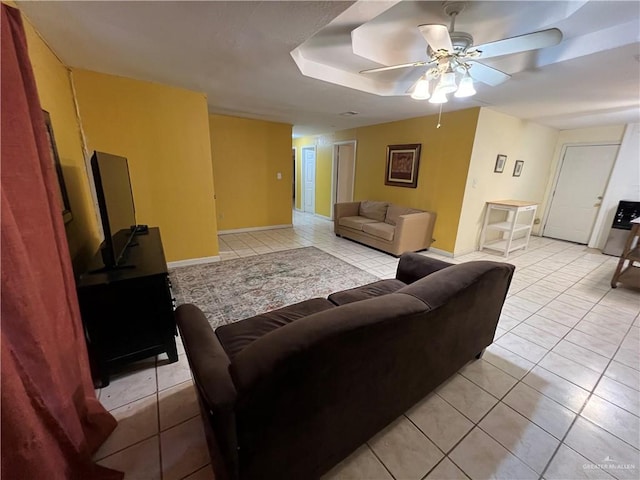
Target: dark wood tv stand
128 312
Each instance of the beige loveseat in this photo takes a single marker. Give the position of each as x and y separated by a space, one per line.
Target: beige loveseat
385 226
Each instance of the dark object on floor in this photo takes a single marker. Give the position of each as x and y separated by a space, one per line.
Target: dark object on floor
290 393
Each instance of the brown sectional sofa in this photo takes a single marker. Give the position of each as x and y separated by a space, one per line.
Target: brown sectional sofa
385 226
290 393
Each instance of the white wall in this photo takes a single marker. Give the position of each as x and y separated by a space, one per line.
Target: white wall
580 136
518 139
624 184
583 136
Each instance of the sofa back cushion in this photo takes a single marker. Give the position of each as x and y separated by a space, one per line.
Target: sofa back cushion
394 211
491 279
236 336
373 210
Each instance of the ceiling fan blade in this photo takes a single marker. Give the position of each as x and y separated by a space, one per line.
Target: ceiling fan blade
521 43
410 90
393 67
437 36
486 74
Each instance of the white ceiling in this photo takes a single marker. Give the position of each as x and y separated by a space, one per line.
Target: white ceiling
241 54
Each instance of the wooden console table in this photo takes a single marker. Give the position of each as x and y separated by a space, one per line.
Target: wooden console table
128 312
508 226
631 253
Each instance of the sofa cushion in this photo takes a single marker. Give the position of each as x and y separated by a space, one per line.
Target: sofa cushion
394 211
374 210
365 292
413 266
235 337
354 222
380 229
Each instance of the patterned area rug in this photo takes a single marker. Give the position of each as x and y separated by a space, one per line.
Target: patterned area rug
231 290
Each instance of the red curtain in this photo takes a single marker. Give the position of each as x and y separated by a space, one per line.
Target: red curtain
51 420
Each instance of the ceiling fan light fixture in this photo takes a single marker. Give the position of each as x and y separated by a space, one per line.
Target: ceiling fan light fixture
421 92
466 88
438 97
447 83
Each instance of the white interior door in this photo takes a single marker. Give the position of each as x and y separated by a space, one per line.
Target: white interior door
345 172
579 190
309 178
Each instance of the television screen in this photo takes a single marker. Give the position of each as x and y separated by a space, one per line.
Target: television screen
115 201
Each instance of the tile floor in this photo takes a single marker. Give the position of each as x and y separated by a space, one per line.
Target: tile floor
556 396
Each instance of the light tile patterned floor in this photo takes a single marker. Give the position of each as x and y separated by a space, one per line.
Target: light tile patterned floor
556 396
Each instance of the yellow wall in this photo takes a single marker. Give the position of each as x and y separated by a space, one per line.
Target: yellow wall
444 161
56 96
247 156
164 133
324 160
518 139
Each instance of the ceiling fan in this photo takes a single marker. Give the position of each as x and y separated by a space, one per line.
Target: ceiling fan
452 52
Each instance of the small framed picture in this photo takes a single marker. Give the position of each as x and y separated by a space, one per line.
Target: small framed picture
517 169
500 163
402 165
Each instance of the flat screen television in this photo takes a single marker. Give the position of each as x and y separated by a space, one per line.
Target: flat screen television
115 201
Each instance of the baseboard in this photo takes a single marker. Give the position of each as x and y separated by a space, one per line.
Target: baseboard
441 252
254 229
193 261
323 217
465 252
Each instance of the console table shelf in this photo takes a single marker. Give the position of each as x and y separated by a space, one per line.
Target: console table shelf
128 312
508 226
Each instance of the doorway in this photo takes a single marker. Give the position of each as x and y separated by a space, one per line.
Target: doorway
293 178
577 196
344 171
308 179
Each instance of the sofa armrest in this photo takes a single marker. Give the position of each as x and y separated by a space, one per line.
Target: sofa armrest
217 394
414 231
345 209
413 266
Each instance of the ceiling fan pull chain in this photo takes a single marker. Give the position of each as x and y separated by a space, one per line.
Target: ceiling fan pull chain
439 116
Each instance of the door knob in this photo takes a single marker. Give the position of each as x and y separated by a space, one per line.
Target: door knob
599 197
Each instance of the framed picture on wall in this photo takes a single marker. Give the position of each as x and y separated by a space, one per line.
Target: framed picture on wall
501 161
517 169
62 189
402 165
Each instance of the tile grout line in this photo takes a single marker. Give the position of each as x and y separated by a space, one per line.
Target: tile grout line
379 459
477 424
158 422
591 394
197 470
157 434
519 381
